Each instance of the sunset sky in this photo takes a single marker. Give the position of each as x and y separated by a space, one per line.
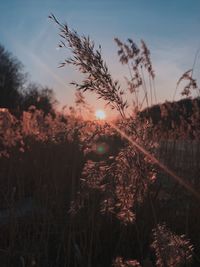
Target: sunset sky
170 28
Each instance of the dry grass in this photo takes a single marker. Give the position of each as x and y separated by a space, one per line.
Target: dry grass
68 207
65 204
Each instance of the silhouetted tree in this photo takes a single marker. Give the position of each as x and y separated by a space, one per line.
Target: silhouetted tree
14 94
41 97
12 80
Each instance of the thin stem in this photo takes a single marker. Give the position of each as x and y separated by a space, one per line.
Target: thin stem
150 86
195 60
144 87
130 72
154 89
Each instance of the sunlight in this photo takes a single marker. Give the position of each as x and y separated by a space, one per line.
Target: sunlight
100 114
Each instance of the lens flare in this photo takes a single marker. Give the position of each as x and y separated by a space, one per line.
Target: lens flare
100 114
101 148
177 178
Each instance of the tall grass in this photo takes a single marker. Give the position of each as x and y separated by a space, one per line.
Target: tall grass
126 182
65 204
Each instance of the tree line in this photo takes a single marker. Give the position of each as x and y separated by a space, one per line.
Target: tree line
16 93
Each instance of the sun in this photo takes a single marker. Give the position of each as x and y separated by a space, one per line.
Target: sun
100 114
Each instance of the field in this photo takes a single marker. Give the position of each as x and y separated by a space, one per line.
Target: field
66 203
88 192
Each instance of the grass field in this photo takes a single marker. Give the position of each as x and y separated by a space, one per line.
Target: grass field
87 191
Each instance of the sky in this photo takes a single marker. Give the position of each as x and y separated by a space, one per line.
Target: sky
170 29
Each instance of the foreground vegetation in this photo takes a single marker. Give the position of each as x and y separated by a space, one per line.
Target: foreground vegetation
77 193
65 204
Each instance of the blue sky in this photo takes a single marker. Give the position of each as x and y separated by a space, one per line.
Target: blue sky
170 28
